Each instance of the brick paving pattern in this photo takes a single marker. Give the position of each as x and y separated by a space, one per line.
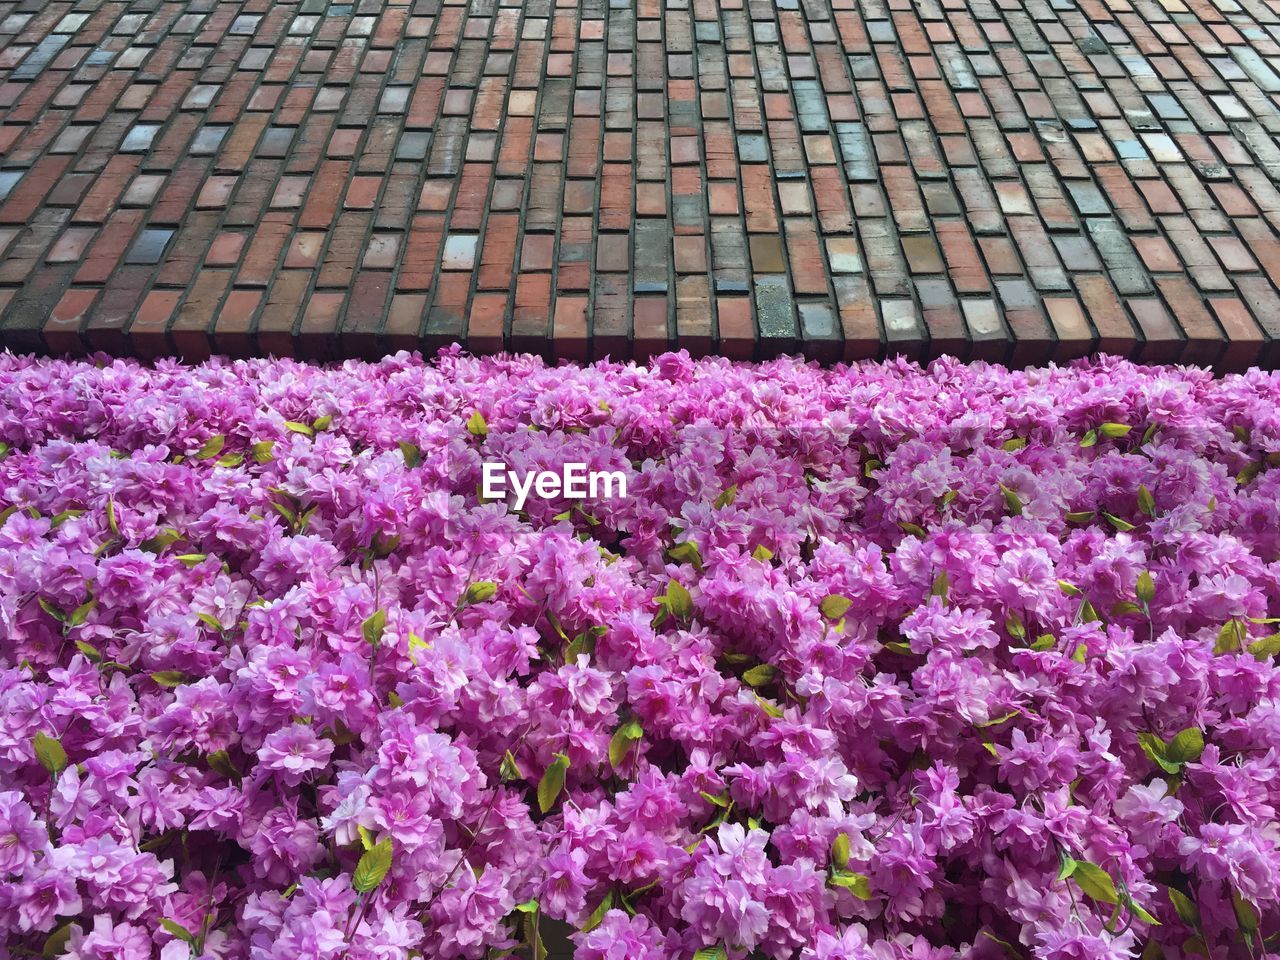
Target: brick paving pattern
1008 180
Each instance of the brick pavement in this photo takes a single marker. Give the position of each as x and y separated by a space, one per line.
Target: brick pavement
1007 180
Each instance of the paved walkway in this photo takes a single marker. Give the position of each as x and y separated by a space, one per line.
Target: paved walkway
1009 180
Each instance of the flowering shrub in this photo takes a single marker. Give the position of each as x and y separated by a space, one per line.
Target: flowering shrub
870 663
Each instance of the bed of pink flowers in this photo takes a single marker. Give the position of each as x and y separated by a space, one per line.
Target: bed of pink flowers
869 663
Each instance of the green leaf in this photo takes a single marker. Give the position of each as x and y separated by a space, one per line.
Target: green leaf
1016 443
231 460
220 763
476 425
1246 914
716 800
912 529
290 517
89 650
582 644
1196 946
49 607
1123 526
209 621
373 867
597 915
1090 439
1137 910
840 850
1014 625
759 676
1184 907
56 943
1080 516
1067 865
834 606
686 552
191 559
81 613
533 937
1095 882
998 720
1187 746
856 883
158 543
1250 471
678 601
1265 648
212 447
1043 642
730 494
509 769
1146 589
620 744
529 906
480 591
1146 502
178 930
411 453
552 782
261 451
762 553
1123 607
322 423
49 752
374 626
1231 637
718 952
1012 952
293 426
1011 500
1114 430
941 585
1158 751
769 707
1069 589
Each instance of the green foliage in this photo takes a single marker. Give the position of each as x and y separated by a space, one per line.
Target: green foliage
834 606
1095 881
624 738
840 851
373 867
552 782
212 447
856 883
374 626
49 752
480 591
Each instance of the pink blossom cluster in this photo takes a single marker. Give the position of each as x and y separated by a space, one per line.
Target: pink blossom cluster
871 663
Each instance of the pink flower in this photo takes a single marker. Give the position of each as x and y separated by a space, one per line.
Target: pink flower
295 751
22 836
